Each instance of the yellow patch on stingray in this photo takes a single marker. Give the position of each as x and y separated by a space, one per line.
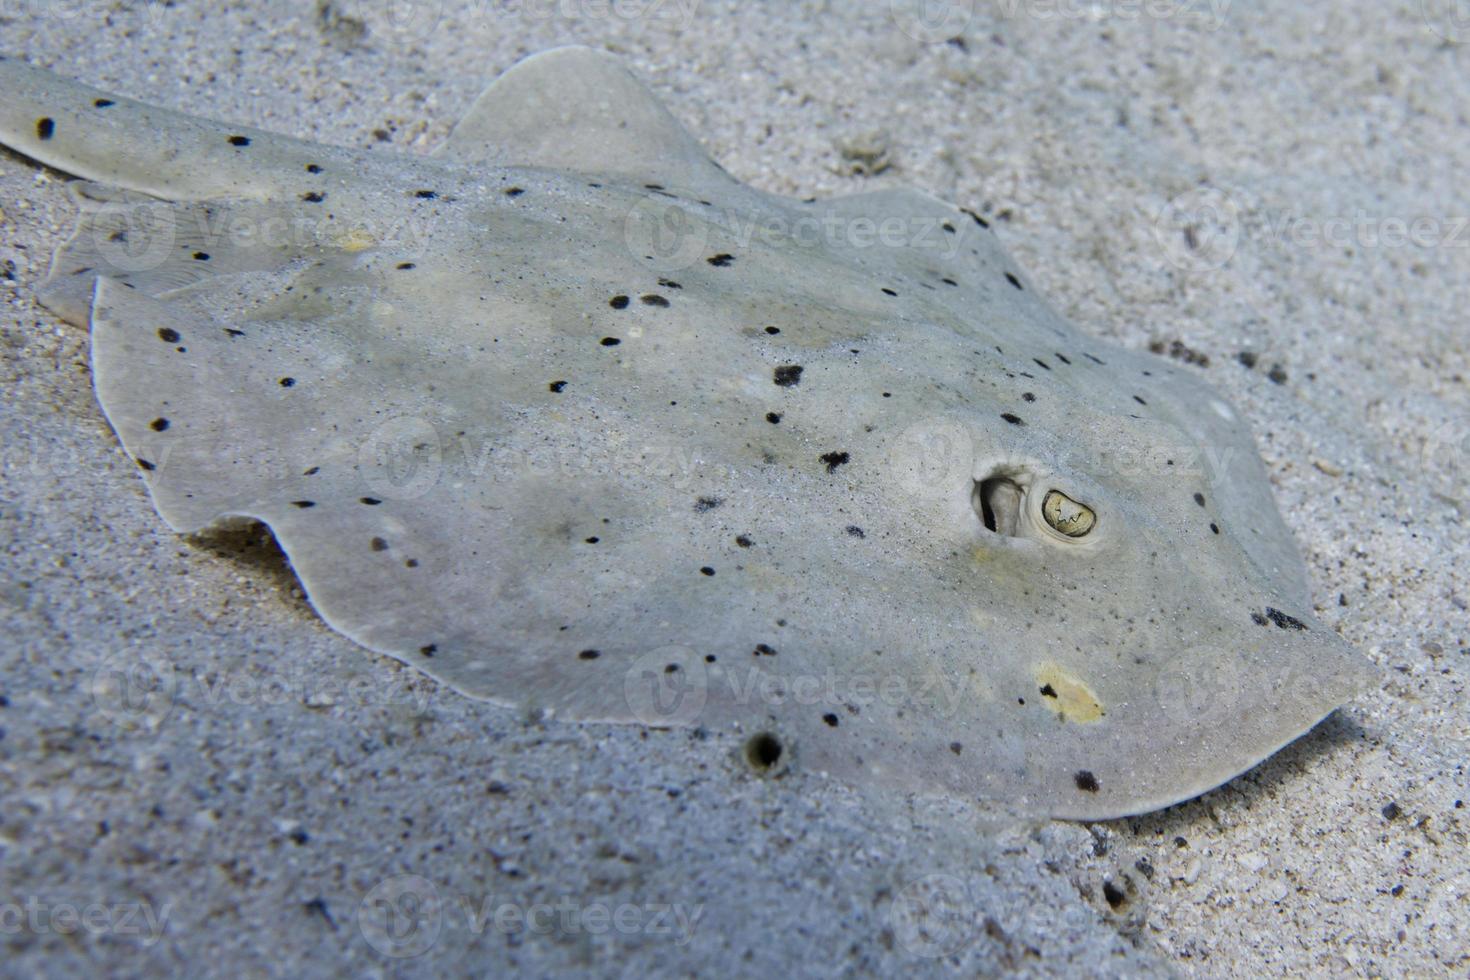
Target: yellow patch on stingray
356 240
1068 695
982 555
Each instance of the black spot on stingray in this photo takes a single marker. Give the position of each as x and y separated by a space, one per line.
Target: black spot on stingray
592 540
610 341
405 266
426 195
773 330
830 720
1085 781
706 571
378 544
1139 400
312 168
1012 418
1064 359
1041 364
888 292
947 227
1010 278
956 747
1095 360
855 531
978 220
239 141
143 464
1284 621
45 128
788 375
618 302
1259 620
201 256
313 471
104 103
370 501
652 299
1026 396
411 563
707 503
314 197
948 281
556 386
288 382
232 332
1277 374
589 654
834 460
1048 691
159 425
1199 498
763 650
168 335
514 191
429 649
743 541
1214 528
303 504
721 260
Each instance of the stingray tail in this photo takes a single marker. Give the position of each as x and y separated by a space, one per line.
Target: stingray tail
108 138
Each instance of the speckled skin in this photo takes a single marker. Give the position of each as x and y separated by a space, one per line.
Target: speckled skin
655 447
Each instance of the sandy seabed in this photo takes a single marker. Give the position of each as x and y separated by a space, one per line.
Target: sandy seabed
293 805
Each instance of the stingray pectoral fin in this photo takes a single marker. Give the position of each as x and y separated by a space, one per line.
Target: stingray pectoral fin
156 246
577 109
218 416
1198 720
93 134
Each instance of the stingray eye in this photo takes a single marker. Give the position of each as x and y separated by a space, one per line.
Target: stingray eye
1067 516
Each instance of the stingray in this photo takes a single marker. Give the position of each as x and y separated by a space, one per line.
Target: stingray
570 419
